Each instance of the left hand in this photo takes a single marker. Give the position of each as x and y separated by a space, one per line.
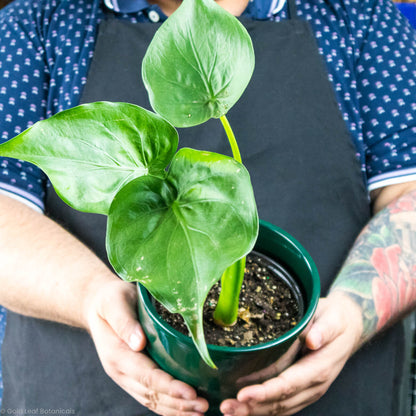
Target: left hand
330 341
110 314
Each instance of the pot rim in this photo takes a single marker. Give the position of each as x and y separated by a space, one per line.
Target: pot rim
292 333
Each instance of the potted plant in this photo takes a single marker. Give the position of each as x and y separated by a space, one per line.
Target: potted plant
178 221
237 366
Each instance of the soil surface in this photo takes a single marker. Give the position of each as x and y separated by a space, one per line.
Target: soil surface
268 308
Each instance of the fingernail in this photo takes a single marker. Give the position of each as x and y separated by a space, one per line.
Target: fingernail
200 407
135 341
315 339
228 410
245 396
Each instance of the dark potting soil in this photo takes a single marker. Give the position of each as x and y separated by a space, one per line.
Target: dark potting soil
268 308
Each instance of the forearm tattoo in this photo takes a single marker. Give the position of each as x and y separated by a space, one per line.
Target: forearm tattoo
380 271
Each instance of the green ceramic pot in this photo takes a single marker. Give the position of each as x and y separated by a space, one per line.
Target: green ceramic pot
237 367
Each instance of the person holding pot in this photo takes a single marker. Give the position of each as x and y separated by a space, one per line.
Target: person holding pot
331 109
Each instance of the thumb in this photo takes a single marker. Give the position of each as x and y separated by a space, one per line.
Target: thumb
324 329
120 314
314 338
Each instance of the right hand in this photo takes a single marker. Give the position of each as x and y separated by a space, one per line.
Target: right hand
119 339
330 340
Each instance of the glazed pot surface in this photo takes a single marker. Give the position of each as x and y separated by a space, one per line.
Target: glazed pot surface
241 366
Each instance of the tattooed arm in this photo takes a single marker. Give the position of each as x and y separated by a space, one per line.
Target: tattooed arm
375 287
380 272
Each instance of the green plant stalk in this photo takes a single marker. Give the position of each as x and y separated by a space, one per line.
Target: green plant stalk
226 311
231 138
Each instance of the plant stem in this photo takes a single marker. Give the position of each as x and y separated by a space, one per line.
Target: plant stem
226 311
231 138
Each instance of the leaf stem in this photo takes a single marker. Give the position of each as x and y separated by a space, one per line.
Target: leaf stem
231 138
226 311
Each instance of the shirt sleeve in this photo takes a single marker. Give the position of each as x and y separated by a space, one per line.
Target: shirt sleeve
386 80
24 82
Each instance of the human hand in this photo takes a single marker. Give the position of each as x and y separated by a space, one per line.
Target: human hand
118 337
330 340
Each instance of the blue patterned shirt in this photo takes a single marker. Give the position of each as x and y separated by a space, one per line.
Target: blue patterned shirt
46 47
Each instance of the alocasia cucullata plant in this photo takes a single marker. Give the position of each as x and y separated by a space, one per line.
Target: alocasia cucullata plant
176 219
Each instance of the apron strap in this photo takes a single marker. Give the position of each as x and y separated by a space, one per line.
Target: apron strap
292 12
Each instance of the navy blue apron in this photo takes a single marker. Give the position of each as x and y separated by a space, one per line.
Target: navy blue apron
306 178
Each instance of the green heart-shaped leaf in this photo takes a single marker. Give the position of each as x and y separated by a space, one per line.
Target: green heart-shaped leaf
176 236
198 64
89 152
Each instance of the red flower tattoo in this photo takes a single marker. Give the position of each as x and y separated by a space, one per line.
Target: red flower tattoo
405 204
394 288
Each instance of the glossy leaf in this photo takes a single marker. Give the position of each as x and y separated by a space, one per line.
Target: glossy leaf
198 64
89 152
177 236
